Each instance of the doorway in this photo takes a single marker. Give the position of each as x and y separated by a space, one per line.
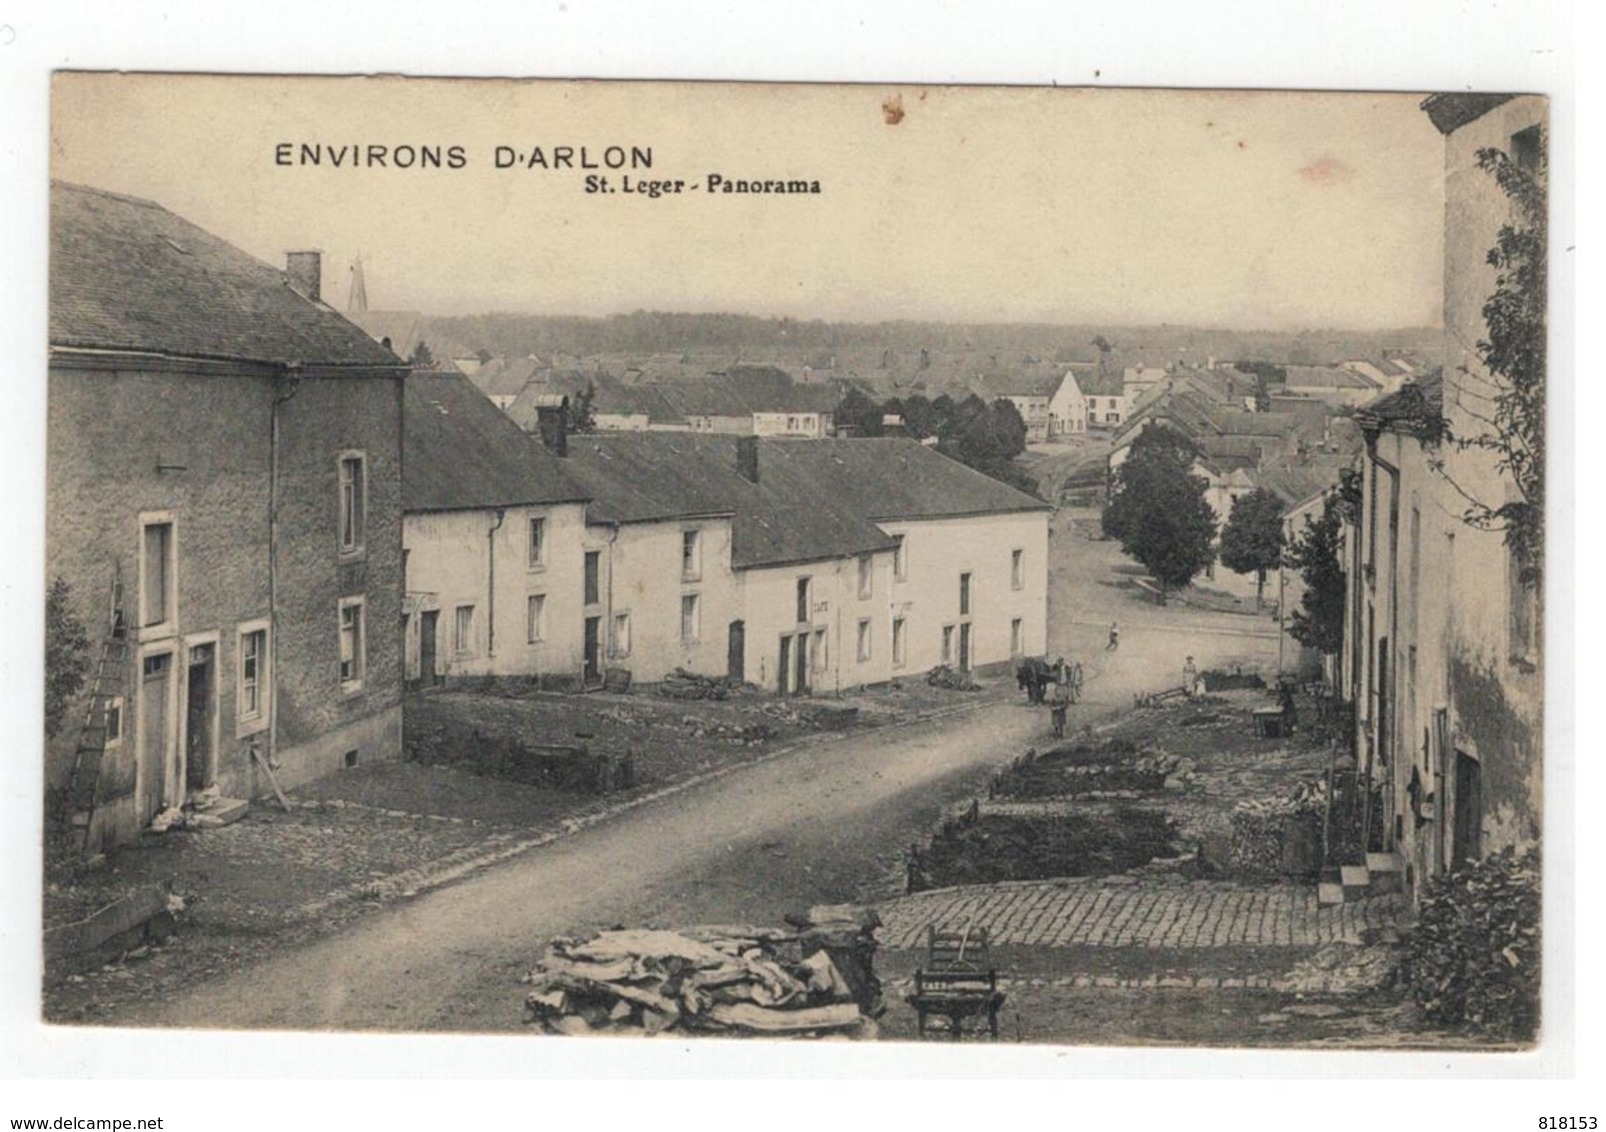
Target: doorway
200 702
783 670
155 734
593 651
428 634
736 651
964 646
1466 833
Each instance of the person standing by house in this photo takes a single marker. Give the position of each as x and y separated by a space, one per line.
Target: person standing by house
1115 637
1059 708
1190 678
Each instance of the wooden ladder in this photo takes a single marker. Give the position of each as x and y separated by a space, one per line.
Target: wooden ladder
108 683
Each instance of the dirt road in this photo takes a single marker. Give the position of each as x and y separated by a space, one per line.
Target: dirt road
825 823
822 824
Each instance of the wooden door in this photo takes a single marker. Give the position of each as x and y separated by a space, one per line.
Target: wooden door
783 671
800 656
428 631
736 651
200 697
964 647
1467 829
593 650
154 733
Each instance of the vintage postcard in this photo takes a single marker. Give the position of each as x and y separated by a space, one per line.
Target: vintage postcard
1001 565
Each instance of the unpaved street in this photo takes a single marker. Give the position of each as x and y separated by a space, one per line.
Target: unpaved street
822 824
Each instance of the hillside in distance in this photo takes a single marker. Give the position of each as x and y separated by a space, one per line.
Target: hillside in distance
784 341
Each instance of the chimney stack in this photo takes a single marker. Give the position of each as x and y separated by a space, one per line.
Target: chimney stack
305 273
552 422
747 458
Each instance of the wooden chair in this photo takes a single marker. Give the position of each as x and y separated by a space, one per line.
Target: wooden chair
958 981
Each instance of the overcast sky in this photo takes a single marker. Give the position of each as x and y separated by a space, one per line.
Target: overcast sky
1248 210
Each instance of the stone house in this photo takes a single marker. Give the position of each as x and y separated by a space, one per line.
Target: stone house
491 533
224 499
1448 691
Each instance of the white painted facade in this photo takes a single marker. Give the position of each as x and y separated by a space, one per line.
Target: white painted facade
813 426
833 604
481 562
646 576
926 589
1067 408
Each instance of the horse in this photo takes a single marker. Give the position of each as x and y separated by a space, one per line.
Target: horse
1032 677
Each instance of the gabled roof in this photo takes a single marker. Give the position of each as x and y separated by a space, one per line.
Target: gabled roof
1449 112
785 517
889 478
505 377
128 275
1041 384
403 328
461 453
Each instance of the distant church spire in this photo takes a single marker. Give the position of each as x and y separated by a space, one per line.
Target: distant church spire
357 298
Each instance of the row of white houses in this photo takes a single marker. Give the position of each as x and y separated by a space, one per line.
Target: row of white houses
802 566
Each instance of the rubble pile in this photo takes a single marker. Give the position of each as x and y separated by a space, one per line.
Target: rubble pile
683 685
812 979
954 680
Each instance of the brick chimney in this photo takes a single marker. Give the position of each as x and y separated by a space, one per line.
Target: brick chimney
304 270
747 458
552 422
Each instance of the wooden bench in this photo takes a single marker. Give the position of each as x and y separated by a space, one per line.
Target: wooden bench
957 981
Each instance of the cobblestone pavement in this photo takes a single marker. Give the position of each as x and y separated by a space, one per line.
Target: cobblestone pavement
1129 912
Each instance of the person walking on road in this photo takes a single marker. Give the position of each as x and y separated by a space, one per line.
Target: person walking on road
1190 679
1115 637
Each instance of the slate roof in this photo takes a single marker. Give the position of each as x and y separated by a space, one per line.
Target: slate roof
784 518
1326 377
128 275
461 453
889 478
403 328
505 377
1417 407
1449 112
1097 384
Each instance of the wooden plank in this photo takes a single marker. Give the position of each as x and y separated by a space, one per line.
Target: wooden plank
262 761
113 920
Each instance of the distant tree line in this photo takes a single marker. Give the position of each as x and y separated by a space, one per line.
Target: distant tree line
506 334
978 435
